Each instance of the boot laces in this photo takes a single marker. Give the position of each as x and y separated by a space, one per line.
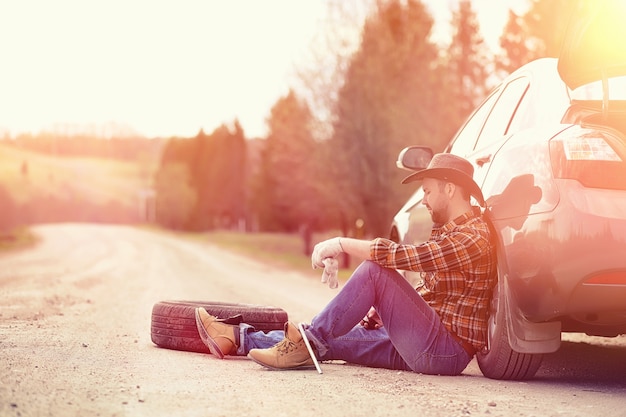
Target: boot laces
286 346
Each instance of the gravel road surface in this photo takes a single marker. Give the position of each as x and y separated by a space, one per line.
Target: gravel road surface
75 340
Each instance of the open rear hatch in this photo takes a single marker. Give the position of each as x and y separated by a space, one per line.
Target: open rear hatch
593 48
593 55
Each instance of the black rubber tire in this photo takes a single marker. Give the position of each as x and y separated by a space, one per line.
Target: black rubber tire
174 322
500 361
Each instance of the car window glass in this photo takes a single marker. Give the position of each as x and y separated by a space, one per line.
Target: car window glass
466 138
500 120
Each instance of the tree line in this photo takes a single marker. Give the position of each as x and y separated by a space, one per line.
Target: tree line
397 89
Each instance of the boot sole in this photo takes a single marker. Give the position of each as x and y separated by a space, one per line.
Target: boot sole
273 368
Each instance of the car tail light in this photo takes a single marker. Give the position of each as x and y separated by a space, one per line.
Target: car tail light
588 157
608 278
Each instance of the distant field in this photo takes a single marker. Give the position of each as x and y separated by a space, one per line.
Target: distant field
28 175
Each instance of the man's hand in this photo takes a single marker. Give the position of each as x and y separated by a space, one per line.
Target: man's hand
372 320
327 249
331 267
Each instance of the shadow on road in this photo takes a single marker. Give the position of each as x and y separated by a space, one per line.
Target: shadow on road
583 363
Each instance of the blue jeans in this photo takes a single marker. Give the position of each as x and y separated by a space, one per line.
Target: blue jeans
413 337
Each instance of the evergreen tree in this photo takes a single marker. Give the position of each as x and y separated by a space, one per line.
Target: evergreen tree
210 174
467 65
175 197
386 103
218 175
515 44
228 177
537 33
546 22
284 197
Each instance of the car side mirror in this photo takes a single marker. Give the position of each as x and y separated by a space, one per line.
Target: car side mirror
414 158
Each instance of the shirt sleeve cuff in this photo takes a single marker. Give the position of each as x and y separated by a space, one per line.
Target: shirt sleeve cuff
379 250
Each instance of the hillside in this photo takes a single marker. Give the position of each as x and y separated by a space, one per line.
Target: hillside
33 180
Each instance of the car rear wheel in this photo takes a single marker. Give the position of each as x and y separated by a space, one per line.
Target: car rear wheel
498 360
174 322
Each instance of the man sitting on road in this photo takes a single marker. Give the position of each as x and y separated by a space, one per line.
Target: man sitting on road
378 319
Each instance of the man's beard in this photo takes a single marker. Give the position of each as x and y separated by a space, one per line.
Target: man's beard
438 217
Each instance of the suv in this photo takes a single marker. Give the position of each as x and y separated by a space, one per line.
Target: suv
548 147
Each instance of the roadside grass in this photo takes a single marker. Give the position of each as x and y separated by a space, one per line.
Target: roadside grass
20 238
278 249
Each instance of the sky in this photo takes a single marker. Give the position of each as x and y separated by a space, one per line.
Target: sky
165 68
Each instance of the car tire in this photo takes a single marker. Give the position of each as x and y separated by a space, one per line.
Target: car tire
499 360
173 324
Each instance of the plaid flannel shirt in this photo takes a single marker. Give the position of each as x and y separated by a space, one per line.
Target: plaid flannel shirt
458 270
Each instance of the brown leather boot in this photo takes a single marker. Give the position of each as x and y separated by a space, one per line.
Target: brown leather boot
290 353
218 337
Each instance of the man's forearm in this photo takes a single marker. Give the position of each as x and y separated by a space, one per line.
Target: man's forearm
357 248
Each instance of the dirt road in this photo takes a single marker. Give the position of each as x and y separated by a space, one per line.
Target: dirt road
75 341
